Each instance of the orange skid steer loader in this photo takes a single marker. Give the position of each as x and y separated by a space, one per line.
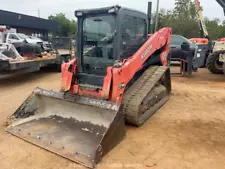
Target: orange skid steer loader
120 75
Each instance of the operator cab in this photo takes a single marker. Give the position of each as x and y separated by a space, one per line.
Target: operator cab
105 36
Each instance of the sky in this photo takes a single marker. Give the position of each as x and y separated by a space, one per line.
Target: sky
51 7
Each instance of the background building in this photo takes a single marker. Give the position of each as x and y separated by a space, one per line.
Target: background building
27 24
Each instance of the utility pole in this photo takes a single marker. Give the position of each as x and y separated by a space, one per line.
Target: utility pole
157 16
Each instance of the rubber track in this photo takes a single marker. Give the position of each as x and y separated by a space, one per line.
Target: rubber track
224 68
136 94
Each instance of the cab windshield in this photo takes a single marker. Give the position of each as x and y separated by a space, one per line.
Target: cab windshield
98 34
22 36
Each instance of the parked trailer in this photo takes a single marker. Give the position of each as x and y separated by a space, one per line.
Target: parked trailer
12 62
26 66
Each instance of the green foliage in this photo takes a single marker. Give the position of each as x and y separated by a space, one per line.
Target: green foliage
184 9
182 19
66 27
216 28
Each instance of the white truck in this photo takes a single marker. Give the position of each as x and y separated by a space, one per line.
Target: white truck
19 37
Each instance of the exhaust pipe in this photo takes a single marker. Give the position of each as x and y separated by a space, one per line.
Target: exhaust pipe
149 14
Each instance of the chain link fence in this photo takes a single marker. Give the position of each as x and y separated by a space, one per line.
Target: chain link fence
64 45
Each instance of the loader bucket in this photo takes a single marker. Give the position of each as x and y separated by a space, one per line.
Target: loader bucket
78 128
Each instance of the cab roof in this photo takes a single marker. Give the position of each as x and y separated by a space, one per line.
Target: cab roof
116 9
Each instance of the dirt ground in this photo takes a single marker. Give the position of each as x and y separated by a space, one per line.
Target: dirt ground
187 133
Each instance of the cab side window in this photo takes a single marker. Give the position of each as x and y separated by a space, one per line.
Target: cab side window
134 34
177 40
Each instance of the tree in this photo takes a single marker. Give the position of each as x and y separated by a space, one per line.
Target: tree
73 27
215 28
182 19
66 27
185 9
161 16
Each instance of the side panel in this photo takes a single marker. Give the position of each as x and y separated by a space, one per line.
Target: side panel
68 70
218 46
200 55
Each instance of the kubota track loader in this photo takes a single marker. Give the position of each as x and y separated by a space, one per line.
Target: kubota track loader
120 74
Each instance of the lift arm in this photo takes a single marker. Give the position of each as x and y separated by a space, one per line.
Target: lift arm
201 20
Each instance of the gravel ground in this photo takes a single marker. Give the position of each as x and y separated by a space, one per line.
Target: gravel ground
188 132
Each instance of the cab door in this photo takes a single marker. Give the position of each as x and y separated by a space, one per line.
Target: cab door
98 38
12 38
